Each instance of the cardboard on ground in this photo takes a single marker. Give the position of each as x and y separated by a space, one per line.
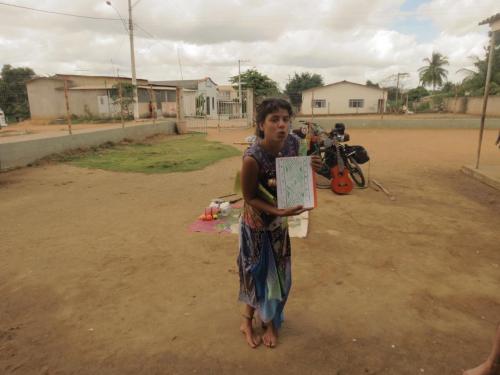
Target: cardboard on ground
295 182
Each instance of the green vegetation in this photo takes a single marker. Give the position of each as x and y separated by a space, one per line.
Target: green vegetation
301 82
473 84
160 155
434 74
123 95
13 93
262 85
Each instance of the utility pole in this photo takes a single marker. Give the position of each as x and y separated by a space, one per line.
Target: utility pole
402 75
491 55
132 59
239 86
68 115
494 23
132 51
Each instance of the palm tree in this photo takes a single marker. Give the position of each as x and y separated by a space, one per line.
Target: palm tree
434 74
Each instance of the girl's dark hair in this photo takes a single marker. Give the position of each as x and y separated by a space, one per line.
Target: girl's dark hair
269 106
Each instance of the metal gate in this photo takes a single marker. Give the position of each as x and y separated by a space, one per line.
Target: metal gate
228 114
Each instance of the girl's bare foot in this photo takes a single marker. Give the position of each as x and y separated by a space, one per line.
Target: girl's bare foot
270 337
492 364
246 328
487 368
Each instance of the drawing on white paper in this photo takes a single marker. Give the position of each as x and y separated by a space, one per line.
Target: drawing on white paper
294 179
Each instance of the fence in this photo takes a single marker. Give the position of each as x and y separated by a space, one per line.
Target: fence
473 105
229 115
197 123
227 110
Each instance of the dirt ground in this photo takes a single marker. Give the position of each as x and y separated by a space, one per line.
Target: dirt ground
99 274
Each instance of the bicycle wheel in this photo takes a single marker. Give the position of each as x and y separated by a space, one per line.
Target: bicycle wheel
356 172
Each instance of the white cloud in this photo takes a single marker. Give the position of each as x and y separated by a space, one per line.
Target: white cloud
351 40
459 16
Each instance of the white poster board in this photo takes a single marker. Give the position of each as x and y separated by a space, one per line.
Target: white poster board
295 182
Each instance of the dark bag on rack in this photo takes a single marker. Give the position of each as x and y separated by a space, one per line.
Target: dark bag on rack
359 154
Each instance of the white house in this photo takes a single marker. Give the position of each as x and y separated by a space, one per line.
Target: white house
343 98
206 94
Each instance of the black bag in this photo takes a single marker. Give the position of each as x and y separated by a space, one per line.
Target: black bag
360 155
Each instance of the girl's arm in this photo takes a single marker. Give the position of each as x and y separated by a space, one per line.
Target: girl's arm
249 183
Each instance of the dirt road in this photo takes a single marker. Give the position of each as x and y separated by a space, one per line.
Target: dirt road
99 274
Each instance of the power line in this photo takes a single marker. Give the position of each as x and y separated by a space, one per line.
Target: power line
60 13
145 31
137 2
151 36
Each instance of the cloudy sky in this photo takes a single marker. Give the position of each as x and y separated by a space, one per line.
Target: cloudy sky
354 40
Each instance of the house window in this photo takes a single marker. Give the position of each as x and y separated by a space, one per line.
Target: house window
143 96
171 96
356 103
213 103
319 103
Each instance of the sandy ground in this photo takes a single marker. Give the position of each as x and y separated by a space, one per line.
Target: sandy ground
99 274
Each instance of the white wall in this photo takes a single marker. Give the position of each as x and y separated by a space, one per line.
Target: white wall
337 98
208 89
190 103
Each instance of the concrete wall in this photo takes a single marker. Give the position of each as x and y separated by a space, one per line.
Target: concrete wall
189 103
473 105
46 99
337 98
46 96
20 153
360 122
84 102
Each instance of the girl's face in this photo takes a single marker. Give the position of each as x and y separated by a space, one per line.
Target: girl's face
276 125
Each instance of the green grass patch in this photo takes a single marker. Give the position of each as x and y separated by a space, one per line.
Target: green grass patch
159 155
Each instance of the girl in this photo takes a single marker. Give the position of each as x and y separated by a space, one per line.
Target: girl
264 257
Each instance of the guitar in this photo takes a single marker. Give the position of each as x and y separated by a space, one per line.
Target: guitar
341 182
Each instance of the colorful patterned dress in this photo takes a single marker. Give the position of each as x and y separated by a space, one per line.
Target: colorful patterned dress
264 258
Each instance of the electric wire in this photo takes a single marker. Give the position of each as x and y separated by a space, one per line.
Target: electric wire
60 13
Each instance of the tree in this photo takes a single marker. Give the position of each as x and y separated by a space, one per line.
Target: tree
371 84
262 85
200 105
449 88
13 93
301 83
474 82
434 74
417 93
127 96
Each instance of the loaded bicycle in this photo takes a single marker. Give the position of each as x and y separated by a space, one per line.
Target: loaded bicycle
341 162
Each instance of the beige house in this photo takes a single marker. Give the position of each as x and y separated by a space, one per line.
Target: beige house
203 93
343 98
90 96
227 93
229 103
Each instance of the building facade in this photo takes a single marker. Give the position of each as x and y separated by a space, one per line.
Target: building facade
343 98
95 97
206 95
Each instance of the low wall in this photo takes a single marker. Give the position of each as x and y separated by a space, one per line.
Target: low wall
24 152
473 105
406 123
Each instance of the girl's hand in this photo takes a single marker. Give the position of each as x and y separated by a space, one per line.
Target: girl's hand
291 211
316 162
